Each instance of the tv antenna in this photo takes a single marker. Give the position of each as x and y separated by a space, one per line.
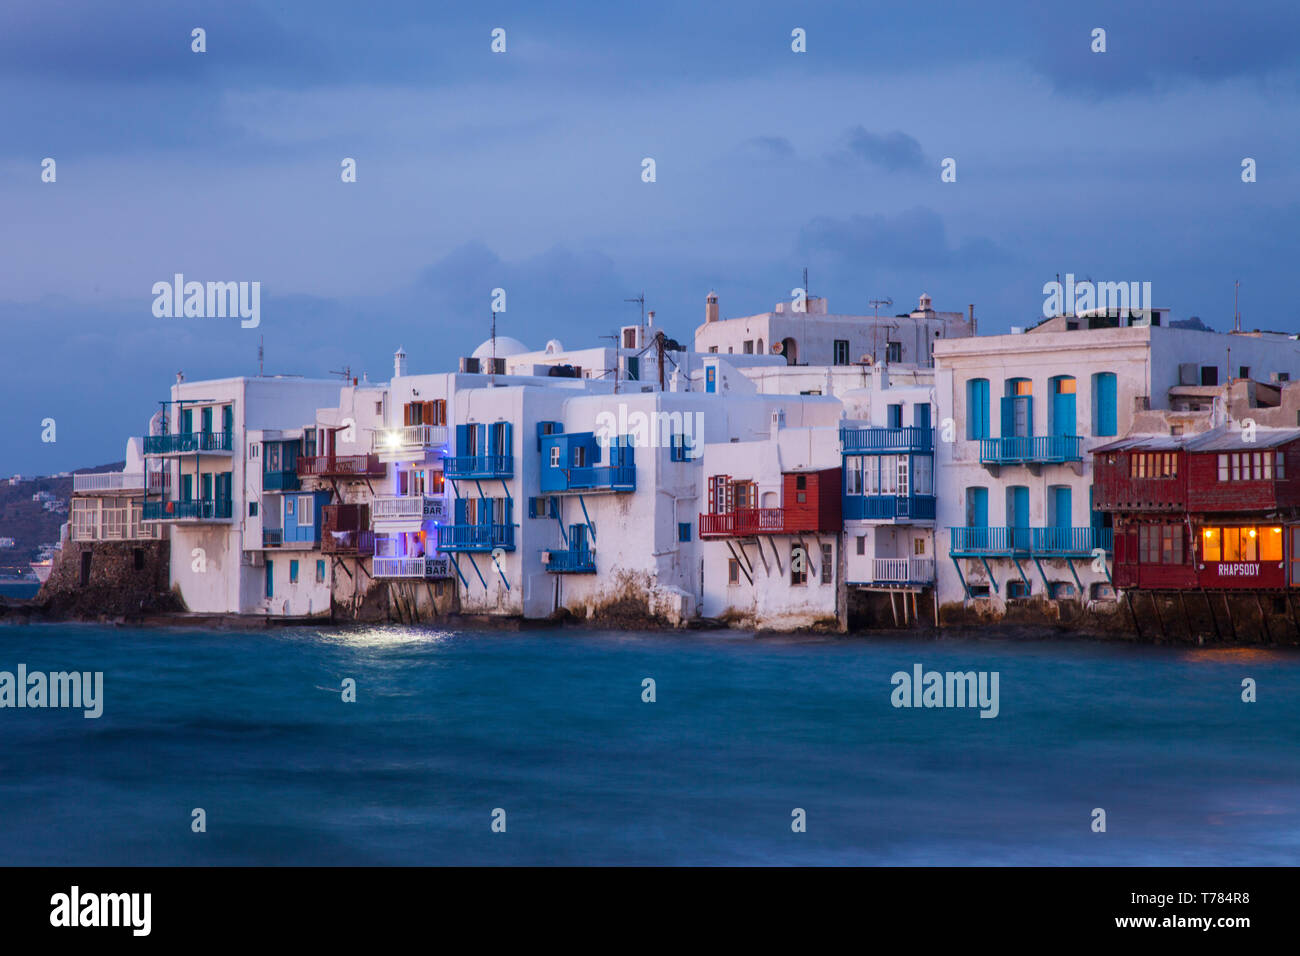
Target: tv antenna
1236 315
875 326
261 354
346 372
640 299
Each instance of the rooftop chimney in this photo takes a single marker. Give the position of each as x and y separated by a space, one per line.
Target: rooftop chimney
399 362
711 307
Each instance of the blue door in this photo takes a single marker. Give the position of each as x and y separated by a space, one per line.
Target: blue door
270 580
711 378
1018 516
227 418
977 518
205 416
921 414
187 420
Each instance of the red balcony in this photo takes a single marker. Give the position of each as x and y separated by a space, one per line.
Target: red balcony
345 530
744 521
340 466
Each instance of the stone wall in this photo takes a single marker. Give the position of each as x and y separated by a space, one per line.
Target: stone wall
126 579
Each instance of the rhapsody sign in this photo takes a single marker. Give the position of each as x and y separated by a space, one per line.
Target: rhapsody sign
1238 569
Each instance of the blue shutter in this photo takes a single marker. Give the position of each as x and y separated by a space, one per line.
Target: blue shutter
1104 418
482 436
460 511
1008 416
507 438
977 409
462 439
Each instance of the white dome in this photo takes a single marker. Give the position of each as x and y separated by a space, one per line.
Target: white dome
554 347
505 346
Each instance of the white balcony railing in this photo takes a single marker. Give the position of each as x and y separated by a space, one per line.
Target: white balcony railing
120 481
409 508
408 438
902 570
418 567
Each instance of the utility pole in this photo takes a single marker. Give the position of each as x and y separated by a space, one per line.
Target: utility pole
261 354
659 351
1236 315
492 369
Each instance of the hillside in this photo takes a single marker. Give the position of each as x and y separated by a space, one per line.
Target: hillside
27 521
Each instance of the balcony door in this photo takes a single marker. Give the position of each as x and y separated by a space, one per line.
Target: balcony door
1018 409
1018 516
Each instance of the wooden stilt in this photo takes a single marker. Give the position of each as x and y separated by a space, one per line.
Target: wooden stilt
1209 606
1263 618
1290 605
893 607
1159 620
1231 623
1182 600
1128 598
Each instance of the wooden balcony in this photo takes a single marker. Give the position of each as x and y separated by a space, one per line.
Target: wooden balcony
340 466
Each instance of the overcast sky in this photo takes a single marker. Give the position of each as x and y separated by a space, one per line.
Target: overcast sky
522 170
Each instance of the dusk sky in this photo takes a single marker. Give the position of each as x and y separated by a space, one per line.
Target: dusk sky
522 170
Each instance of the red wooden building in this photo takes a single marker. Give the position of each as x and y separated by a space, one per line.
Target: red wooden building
1218 511
810 502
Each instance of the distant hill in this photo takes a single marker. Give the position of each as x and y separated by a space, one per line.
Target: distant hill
27 521
1192 322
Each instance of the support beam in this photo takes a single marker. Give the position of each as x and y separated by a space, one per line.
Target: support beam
591 529
456 564
739 563
1077 582
956 563
474 565
989 571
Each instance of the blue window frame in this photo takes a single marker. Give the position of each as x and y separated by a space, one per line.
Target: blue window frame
293 572
683 531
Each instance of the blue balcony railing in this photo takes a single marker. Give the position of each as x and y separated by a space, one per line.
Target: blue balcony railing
1043 542
182 442
1031 449
476 537
572 562
889 507
870 439
200 510
281 481
599 477
479 466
